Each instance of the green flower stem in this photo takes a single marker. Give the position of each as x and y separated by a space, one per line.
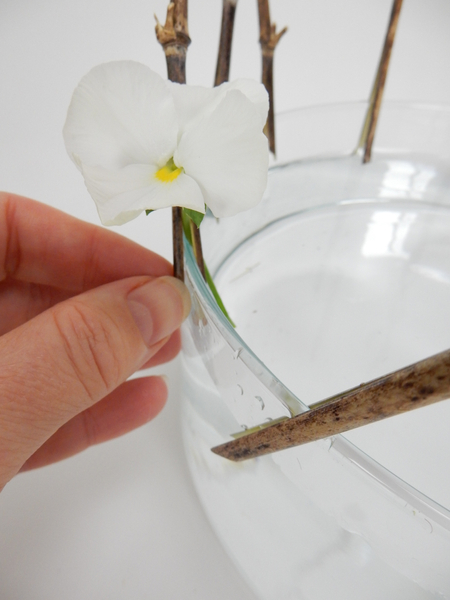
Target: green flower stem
188 226
215 293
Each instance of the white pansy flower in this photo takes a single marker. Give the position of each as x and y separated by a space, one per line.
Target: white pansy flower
143 143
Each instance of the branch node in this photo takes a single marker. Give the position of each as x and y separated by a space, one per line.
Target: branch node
165 34
268 39
174 39
175 29
270 42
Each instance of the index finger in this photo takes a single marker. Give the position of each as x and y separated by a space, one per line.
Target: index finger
43 245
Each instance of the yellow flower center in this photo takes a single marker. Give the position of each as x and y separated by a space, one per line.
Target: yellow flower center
169 172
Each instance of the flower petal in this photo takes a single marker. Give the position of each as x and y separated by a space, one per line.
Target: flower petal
121 113
194 103
123 194
254 91
227 154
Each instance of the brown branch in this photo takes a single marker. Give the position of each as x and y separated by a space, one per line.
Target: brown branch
226 37
370 125
418 385
222 73
178 248
174 38
268 39
365 128
197 247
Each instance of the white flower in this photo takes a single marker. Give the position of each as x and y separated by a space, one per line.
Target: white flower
143 143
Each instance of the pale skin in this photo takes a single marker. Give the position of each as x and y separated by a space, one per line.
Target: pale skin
81 309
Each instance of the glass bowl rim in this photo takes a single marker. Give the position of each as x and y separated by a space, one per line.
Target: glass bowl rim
360 459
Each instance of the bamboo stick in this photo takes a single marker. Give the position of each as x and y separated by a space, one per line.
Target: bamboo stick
418 385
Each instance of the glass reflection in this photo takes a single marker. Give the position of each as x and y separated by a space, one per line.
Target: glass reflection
386 234
404 179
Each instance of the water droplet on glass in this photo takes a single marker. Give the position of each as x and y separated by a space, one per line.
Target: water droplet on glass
237 353
427 526
261 401
330 442
241 389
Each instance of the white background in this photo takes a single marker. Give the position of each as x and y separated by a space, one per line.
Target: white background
122 521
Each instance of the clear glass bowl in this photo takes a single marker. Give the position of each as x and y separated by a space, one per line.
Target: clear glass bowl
340 275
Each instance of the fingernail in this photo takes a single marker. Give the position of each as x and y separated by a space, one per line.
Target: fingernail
159 307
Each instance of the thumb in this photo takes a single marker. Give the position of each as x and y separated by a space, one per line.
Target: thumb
74 354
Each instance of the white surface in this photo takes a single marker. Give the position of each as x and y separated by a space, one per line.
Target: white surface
122 520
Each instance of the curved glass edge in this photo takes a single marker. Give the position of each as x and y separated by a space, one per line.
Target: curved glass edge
310 137
293 405
425 505
289 404
339 138
363 104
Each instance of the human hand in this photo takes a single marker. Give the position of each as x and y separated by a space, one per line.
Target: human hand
81 309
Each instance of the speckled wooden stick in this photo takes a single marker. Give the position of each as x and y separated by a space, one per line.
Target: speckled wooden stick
369 128
174 38
418 385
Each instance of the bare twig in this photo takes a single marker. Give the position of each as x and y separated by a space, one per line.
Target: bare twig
418 385
368 133
178 248
222 73
226 37
174 38
365 128
268 39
